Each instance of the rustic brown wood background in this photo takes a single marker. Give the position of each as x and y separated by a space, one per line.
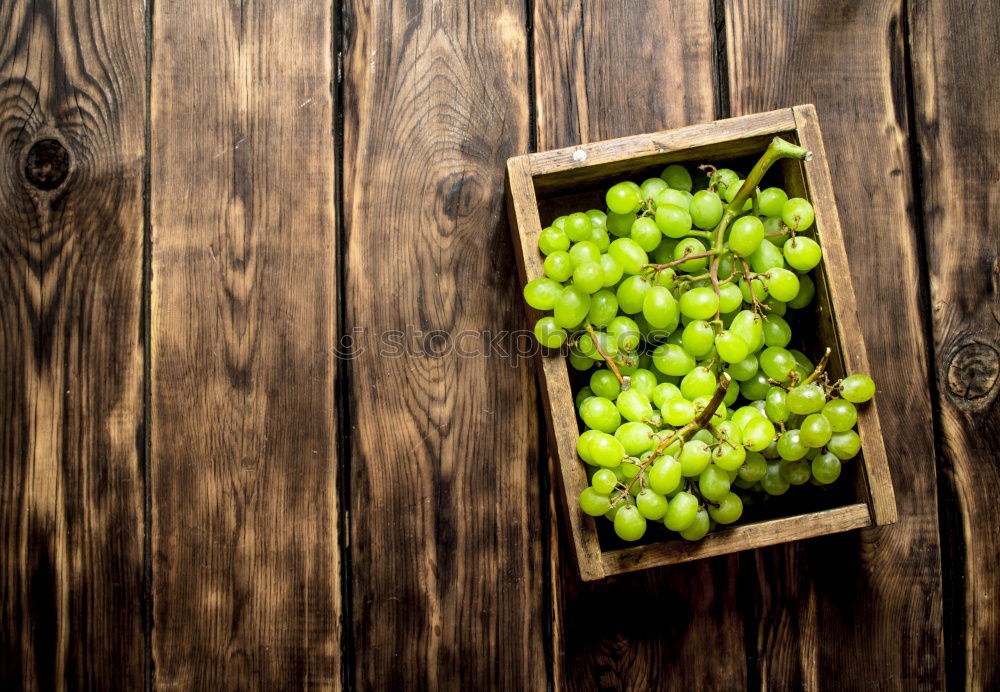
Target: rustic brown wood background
198 491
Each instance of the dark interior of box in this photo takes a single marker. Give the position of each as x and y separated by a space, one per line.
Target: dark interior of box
812 327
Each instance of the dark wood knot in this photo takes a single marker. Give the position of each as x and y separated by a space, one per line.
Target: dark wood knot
973 371
47 164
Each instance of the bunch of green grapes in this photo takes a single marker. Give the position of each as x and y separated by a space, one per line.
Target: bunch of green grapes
676 300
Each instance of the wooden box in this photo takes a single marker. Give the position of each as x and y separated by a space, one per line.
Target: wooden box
540 186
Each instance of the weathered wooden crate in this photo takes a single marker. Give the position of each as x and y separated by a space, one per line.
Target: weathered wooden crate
545 184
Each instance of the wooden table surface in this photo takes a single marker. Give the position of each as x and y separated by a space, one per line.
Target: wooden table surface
216 474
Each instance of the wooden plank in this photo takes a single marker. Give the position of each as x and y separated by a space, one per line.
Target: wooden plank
446 536
72 95
873 597
763 533
609 67
244 507
956 129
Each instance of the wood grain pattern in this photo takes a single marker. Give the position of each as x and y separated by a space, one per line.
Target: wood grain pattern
71 356
245 554
850 64
588 58
446 538
958 136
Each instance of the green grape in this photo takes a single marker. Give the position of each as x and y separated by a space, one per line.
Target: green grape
672 221
542 294
678 412
674 198
584 251
697 338
802 254
629 254
743 370
776 405
600 414
603 308
797 214
753 468
594 503
632 294
636 438
582 395
757 434
549 333
551 240
660 309
766 257
802 359
812 453
758 286
807 290
612 270
771 452
729 457
600 238
776 331
704 436
728 430
699 382
677 177
714 483
695 456
775 307
620 225
774 481
646 233
791 447
664 392
690 246
730 347
750 327
796 472
665 475
558 266
743 415
624 333
644 381
671 359
606 451
681 512
756 387
705 209
771 200
815 430
598 219
634 406
782 284
587 346
698 528
630 525
588 277
604 383
559 222
772 227
651 504
699 303
724 178
730 298
857 388
577 227
805 399
578 361
841 413
729 510
777 363
732 190
826 468
651 187
629 470
604 481
622 198
746 236
731 395
844 445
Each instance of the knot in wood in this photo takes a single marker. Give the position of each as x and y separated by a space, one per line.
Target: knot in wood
47 164
973 371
